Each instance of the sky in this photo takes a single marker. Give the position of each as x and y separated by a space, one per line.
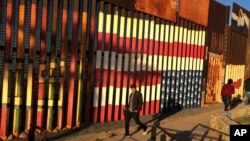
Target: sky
243 3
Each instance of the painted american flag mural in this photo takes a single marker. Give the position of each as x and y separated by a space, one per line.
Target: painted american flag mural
165 60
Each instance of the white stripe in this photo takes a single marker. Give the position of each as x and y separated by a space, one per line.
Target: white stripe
140 29
153 93
96 97
200 38
134 27
106 59
124 90
174 62
113 59
143 92
146 29
151 36
108 23
183 63
192 37
180 34
144 62
150 63
132 63
191 61
176 33
148 93
128 27
126 62
178 63
165 58
185 36
171 33
158 93
103 99
166 33
100 23
160 62
196 37
115 25
122 26
188 36
138 62
169 63
117 96
187 63
111 94
162 33
157 28
155 63
98 59
119 64
203 38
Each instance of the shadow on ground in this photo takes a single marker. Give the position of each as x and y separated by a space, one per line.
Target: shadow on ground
199 132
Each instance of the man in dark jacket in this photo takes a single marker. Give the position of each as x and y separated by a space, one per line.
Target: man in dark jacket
247 91
133 110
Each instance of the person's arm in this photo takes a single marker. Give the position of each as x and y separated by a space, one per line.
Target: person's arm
140 102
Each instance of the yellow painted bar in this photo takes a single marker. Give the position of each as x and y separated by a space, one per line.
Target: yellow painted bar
81 69
19 68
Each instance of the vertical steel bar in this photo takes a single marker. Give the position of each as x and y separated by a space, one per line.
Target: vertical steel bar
6 78
19 70
62 90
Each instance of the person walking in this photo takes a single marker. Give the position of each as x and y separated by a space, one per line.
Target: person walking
133 110
247 91
226 93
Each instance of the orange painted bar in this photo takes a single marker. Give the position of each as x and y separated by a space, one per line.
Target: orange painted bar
6 78
73 61
41 87
31 66
62 65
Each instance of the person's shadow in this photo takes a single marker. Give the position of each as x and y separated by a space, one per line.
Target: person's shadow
235 101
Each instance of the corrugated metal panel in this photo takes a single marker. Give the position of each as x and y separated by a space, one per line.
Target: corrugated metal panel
194 11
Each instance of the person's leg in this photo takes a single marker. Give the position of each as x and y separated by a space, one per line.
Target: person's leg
224 101
247 98
137 121
128 117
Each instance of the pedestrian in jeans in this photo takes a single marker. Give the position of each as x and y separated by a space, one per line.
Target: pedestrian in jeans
133 110
247 90
226 93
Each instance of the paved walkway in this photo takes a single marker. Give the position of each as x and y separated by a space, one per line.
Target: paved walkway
185 124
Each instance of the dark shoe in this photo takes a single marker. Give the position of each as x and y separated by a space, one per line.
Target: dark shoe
145 131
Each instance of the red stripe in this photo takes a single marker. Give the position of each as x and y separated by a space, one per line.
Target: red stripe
122 114
161 51
133 45
175 50
184 49
202 52
157 106
41 90
152 109
147 103
116 112
110 112
39 119
102 114
4 121
95 114
170 48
